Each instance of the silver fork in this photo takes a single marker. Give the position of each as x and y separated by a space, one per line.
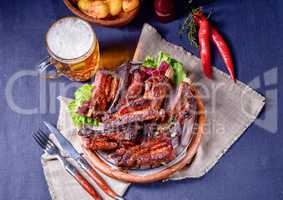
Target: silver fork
50 147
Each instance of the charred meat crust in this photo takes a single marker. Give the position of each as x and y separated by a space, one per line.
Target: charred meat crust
135 109
150 154
106 86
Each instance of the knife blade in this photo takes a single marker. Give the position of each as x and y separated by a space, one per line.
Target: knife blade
65 144
82 162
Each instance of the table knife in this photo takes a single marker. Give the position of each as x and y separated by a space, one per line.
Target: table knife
82 162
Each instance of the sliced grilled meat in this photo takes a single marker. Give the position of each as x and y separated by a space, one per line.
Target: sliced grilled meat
107 142
150 154
106 86
180 106
103 144
133 108
123 74
135 89
129 131
123 104
136 116
123 136
149 131
157 89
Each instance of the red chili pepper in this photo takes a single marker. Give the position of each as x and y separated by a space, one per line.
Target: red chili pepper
204 46
218 41
224 50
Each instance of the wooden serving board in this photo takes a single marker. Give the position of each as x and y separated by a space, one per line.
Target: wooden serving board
133 176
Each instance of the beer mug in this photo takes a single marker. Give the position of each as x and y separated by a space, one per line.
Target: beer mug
73 50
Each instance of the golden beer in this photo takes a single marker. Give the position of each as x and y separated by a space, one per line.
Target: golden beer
73 50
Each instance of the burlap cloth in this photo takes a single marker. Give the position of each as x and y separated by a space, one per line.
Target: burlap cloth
231 108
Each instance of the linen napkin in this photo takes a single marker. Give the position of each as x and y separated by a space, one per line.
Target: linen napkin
230 110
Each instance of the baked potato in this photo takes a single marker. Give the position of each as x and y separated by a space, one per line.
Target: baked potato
102 8
129 5
115 7
96 9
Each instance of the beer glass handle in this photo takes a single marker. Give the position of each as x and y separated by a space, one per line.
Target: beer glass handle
46 63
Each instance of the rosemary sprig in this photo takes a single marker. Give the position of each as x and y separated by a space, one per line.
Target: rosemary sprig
193 33
189 27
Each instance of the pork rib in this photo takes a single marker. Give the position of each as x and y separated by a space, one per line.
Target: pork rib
106 86
110 139
150 154
136 116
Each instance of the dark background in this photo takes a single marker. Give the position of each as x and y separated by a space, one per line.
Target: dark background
253 167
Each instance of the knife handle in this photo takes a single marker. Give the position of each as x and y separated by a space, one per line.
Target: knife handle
87 186
97 178
81 180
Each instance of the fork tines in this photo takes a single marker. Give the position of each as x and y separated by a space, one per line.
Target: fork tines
42 139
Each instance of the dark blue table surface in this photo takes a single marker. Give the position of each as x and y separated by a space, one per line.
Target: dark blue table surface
253 167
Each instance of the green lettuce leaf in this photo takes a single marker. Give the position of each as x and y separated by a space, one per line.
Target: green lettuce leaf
150 62
179 72
178 68
82 94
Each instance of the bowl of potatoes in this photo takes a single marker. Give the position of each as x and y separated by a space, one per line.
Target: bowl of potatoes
111 13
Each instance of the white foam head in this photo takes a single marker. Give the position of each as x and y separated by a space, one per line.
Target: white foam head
70 38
